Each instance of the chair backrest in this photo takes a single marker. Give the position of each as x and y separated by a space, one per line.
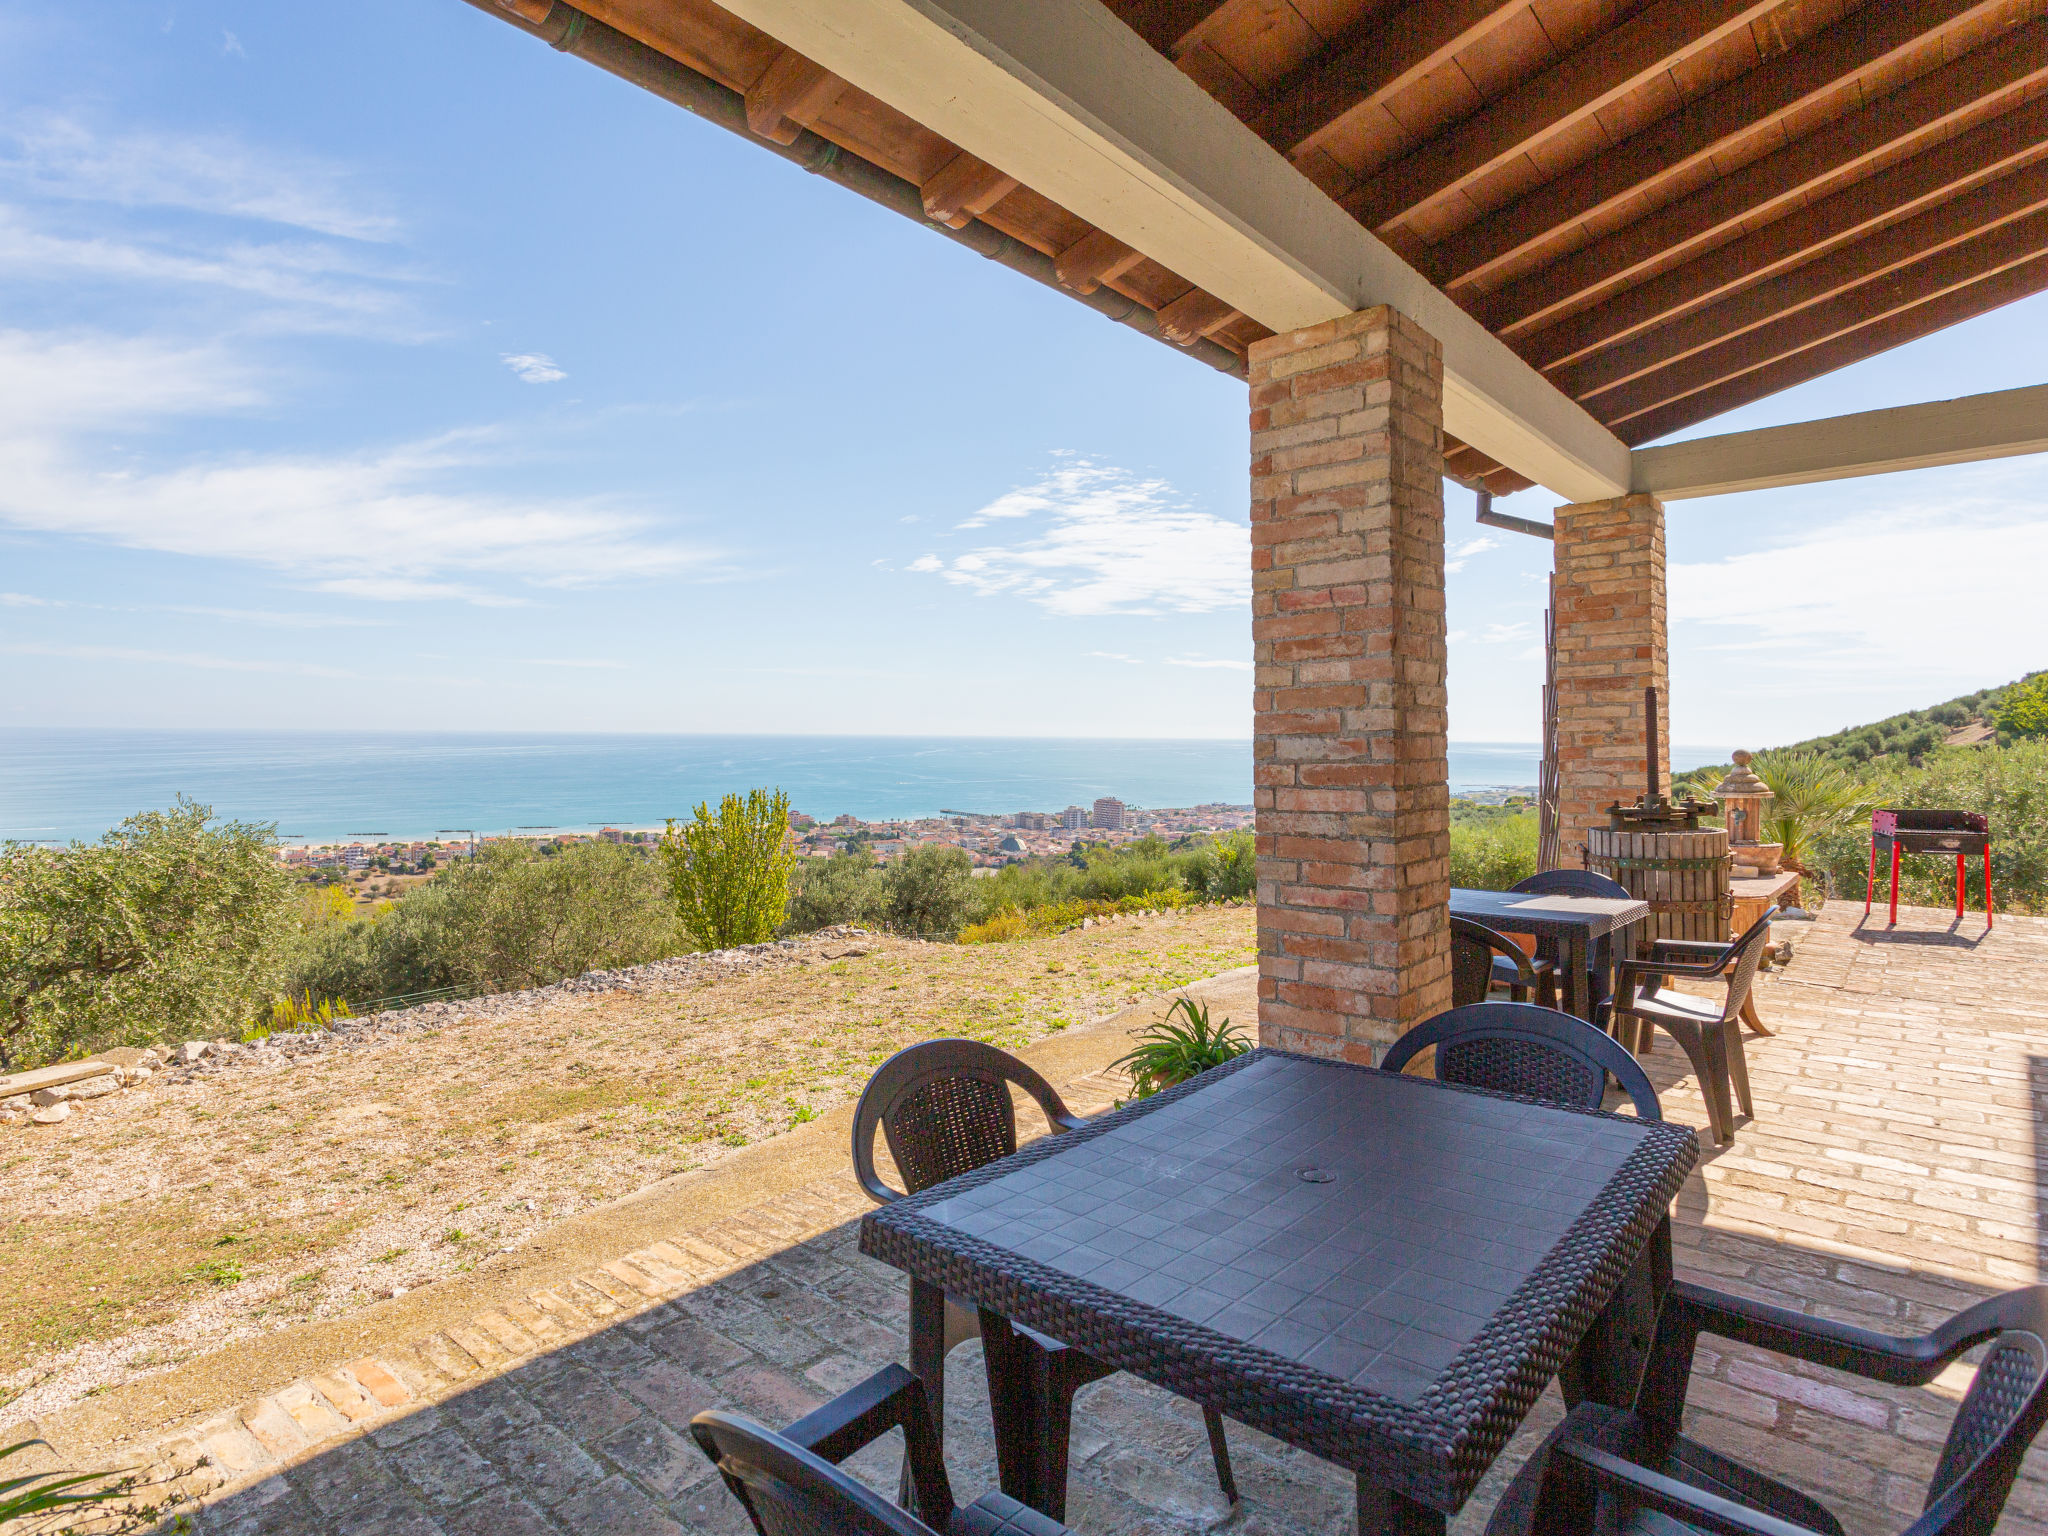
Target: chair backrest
1473 946
1521 1048
1571 882
1744 955
788 1491
2000 1417
945 1107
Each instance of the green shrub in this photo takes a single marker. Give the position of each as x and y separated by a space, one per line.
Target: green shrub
729 874
508 919
1492 855
846 888
2024 711
169 926
930 892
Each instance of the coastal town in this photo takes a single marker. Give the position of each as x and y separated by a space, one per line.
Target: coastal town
991 840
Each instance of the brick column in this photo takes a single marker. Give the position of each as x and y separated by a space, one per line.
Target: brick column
1353 812
1611 645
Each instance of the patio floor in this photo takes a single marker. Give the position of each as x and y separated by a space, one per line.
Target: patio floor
1891 1176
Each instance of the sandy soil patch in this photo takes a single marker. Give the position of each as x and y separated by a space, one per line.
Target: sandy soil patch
162 1222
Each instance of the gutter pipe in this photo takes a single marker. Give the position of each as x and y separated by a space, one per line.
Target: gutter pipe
574 32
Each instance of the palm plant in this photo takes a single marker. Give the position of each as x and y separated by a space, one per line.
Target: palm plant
1170 1052
1814 796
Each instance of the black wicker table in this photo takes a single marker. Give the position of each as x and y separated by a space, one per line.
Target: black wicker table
1380 1269
1573 923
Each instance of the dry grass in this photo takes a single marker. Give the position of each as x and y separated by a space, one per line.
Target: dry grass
164 1220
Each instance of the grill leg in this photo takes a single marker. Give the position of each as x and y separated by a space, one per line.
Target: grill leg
1962 879
1895 886
1987 886
1870 885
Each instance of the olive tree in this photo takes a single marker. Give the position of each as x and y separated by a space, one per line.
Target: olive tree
170 925
728 874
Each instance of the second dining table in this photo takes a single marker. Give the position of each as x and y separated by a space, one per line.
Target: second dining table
1377 1268
1575 924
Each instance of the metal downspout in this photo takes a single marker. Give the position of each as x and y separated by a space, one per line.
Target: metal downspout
574 32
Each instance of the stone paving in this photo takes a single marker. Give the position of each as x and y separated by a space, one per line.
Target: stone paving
1890 1177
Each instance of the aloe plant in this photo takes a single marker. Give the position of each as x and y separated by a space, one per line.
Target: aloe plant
1172 1051
39 1493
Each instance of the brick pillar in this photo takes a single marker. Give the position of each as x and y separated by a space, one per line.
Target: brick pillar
1350 776
1611 645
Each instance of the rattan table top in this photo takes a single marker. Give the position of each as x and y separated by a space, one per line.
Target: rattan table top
1548 917
1378 1268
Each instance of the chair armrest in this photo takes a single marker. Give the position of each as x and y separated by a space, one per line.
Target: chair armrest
1627 970
892 1398
1575 1461
1694 1309
1691 946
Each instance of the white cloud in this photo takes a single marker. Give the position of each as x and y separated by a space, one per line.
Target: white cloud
1454 559
1207 661
1504 634
24 600
1135 661
318 285
218 174
1106 542
1934 579
534 367
231 46
389 523
569 661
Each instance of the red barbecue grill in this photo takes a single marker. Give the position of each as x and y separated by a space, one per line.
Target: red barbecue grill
1958 832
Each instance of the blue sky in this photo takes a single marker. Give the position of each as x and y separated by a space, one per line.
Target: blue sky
383 367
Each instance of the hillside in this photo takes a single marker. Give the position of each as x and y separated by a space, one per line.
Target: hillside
1965 721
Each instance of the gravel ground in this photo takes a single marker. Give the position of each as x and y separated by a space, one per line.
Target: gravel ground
306 1177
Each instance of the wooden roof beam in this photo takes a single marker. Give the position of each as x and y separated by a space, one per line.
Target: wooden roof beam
1895 330
962 189
1096 258
1718 324
790 94
1765 96
1192 316
1956 267
1590 77
1938 97
1986 149
2000 425
1083 111
1393 52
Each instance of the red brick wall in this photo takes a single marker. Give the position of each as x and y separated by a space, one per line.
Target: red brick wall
1353 816
1611 644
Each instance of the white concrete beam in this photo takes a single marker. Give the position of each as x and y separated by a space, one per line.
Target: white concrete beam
1992 426
1064 97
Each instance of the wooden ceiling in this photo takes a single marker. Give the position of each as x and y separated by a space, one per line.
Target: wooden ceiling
1670 207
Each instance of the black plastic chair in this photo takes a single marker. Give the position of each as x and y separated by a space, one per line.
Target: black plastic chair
1708 1031
944 1106
1581 882
1520 1048
1649 1478
1482 959
790 1483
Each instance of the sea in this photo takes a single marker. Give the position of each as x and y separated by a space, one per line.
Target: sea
57 784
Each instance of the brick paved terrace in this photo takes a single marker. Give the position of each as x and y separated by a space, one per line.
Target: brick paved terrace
1891 1176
